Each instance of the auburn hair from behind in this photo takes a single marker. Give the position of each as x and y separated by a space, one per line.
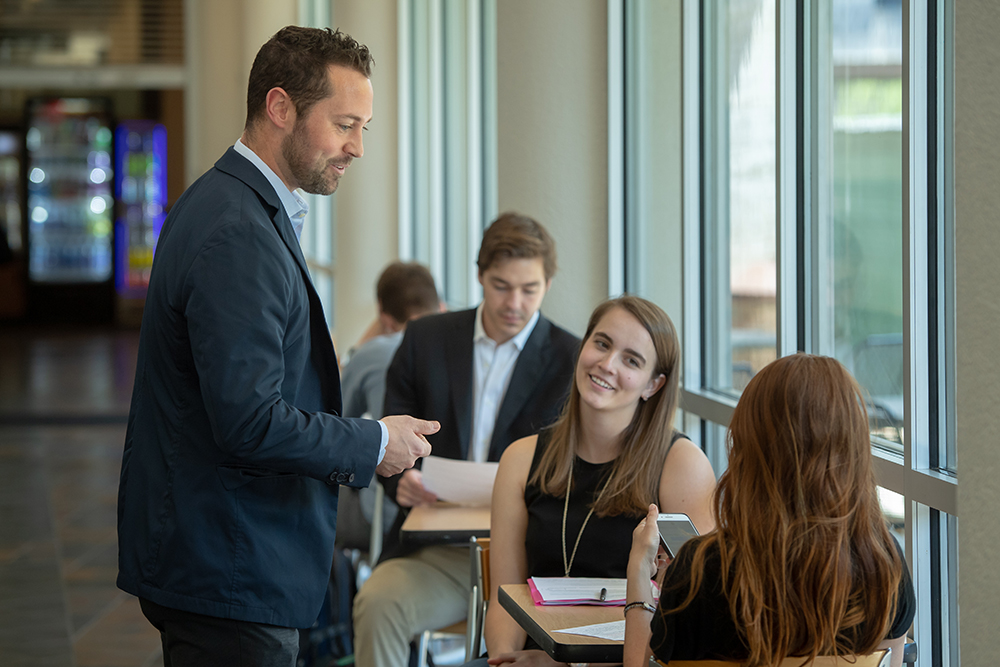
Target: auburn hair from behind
808 565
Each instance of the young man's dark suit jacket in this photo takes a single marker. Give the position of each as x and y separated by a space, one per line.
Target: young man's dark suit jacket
227 502
431 378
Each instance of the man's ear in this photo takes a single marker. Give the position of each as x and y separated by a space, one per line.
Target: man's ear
279 107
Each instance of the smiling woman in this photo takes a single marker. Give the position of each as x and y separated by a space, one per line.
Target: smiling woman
591 477
613 372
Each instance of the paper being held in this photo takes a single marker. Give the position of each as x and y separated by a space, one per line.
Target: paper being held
459 482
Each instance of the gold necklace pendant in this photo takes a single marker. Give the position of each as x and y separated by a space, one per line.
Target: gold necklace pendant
568 564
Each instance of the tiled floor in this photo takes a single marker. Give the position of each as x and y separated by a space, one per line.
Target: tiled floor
64 398
63 404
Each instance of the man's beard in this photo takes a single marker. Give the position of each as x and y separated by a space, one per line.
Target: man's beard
316 180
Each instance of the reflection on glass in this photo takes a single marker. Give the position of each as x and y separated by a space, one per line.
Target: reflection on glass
860 166
140 165
67 139
746 49
11 199
893 506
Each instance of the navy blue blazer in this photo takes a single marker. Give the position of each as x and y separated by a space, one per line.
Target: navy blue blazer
431 378
227 502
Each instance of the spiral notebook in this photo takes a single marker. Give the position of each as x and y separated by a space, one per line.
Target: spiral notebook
577 590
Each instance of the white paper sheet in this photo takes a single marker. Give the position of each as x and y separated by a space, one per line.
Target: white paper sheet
579 589
615 630
459 482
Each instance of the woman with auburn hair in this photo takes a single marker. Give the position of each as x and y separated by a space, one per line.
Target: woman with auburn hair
801 562
565 501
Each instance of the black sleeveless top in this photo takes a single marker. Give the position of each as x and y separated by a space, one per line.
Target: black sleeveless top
606 541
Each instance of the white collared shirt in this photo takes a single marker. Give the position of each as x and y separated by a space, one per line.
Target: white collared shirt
492 368
296 207
295 204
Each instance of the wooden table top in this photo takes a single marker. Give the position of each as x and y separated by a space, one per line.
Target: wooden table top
540 622
443 523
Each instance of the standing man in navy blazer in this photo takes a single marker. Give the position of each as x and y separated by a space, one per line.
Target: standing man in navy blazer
234 450
490 376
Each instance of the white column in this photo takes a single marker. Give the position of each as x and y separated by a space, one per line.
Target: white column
367 200
552 139
223 37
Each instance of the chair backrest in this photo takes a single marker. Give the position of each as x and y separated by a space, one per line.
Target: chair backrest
876 659
480 555
483 549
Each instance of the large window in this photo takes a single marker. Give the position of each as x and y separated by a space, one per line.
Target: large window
447 136
858 203
817 217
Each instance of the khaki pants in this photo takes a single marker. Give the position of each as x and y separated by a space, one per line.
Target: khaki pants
404 596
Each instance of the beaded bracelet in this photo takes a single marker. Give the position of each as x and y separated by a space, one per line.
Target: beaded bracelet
645 605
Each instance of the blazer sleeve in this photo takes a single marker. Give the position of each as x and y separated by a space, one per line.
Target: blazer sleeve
239 295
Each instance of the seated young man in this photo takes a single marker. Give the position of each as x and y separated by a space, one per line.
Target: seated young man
491 375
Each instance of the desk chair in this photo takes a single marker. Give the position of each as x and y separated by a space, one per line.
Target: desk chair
472 627
876 659
480 596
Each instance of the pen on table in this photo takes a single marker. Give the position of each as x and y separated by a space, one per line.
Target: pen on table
604 594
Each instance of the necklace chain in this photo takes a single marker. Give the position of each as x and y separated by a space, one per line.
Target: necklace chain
568 564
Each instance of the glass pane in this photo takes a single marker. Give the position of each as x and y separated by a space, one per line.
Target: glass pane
860 200
934 567
948 457
653 265
948 567
893 509
745 203
10 190
70 190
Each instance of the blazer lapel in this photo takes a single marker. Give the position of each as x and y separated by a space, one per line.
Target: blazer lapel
459 354
529 368
324 356
235 164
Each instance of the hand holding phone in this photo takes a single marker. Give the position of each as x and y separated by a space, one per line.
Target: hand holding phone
675 530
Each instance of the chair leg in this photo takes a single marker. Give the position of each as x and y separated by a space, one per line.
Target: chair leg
472 624
375 537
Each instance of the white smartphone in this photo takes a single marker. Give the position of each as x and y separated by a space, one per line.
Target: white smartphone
675 530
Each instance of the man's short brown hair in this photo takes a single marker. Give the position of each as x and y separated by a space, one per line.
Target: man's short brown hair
406 290
297 59
513 235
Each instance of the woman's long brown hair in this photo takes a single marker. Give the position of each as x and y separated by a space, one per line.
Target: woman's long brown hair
634 480
807 562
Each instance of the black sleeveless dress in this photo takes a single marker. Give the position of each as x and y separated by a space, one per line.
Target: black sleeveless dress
606 541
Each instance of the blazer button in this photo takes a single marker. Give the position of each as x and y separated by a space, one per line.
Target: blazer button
341 478
333 477
351 478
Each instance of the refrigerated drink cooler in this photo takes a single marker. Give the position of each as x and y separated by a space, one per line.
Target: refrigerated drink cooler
70 204
141 193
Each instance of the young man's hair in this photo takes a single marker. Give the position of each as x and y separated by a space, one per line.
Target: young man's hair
296 59
406 290
516 236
